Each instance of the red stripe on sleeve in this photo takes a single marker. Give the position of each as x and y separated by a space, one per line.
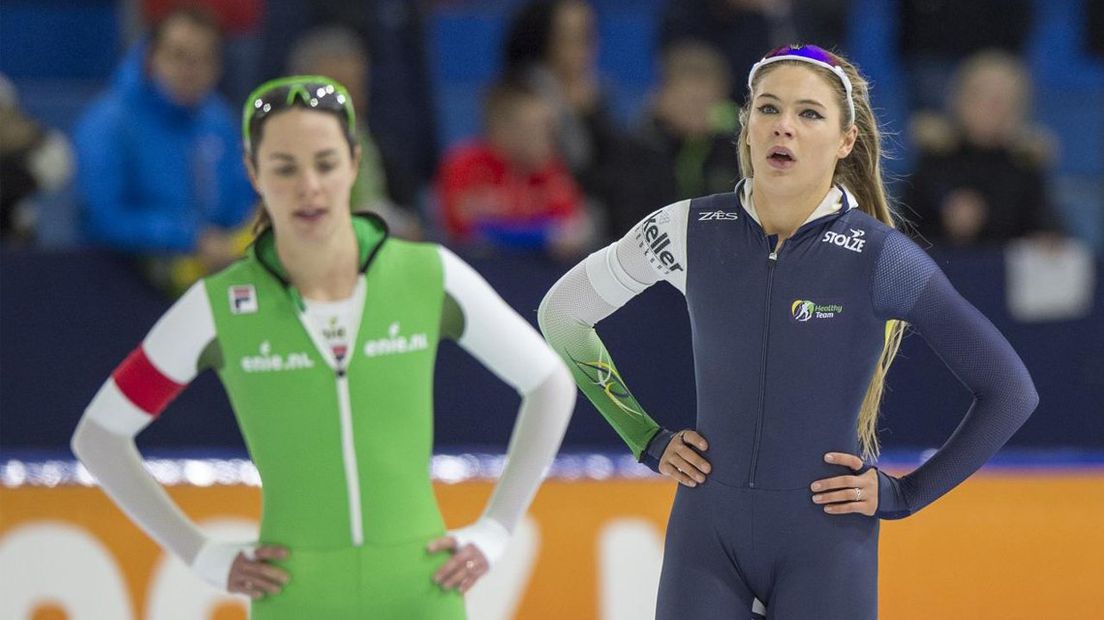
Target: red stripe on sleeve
145 386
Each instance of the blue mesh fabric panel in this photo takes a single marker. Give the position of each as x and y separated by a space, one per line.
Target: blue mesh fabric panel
909 285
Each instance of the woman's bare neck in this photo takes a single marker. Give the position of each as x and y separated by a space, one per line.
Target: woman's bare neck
324 271
783 212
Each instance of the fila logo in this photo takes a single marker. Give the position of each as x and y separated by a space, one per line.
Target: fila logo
717 215
853 242
655 242
243 299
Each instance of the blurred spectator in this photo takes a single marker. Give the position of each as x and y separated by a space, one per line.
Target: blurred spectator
510 190
742 30
552 47
684 147
32 159
401 112
981 175
339 53
936 35
240 23
160 168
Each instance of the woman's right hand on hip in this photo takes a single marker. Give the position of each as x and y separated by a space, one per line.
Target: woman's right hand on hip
682 460
254 576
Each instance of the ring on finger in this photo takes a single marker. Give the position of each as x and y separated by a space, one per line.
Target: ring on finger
858 494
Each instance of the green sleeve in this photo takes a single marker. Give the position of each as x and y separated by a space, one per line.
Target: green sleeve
597 376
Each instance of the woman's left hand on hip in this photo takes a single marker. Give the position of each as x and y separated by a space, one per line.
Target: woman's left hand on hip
463 569
847 494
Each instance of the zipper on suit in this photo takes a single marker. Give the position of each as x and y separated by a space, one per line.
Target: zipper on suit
345 416
348 454
772 260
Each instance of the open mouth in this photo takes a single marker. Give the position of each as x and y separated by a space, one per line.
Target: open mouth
780 154
781 157
311 214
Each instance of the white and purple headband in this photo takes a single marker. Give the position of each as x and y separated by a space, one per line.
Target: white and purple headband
813 55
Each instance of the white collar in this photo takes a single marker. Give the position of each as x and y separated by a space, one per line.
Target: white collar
833 202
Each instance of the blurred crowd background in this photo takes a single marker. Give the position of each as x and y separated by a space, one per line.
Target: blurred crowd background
524 135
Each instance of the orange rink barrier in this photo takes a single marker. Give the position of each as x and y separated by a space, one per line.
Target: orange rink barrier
1004 545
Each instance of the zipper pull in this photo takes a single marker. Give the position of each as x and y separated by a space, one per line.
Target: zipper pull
773 256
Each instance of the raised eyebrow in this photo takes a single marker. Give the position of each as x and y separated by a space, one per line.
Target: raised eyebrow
801 101
812 102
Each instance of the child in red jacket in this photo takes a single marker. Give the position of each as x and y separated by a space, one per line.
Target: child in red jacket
510 188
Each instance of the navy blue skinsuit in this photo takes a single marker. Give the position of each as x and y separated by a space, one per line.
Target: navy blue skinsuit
784 347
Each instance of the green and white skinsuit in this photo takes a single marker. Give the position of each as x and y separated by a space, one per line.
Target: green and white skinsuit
342 439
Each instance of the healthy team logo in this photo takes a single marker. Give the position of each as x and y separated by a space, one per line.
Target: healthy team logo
853 242
395 343
243 299
717 216
803 310
267 361
602 374
655 242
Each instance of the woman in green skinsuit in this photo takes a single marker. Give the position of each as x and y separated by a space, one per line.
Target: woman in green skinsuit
324 336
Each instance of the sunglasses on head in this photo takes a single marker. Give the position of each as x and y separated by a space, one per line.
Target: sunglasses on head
313 92
813 55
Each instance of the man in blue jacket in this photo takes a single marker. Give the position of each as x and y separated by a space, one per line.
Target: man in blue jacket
160 165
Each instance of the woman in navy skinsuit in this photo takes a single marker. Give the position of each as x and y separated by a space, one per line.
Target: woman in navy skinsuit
798 289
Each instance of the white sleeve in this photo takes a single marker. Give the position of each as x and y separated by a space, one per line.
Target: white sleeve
104 439
510 347
655 249
173 347
494 333
176 341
